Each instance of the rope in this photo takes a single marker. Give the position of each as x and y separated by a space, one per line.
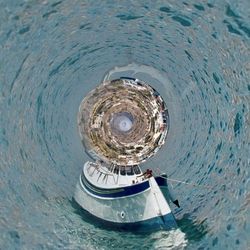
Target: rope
186 183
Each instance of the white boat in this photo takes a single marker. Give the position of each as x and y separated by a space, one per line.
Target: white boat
124 197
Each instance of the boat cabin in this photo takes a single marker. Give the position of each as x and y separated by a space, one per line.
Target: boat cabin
109 176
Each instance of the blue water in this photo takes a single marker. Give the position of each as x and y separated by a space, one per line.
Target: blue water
196 54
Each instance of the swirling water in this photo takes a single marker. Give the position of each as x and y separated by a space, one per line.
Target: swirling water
52 53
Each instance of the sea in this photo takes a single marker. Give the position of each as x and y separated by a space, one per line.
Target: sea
196 54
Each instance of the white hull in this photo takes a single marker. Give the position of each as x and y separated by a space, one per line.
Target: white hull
147 207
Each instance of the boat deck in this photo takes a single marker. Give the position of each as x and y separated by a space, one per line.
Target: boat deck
106 176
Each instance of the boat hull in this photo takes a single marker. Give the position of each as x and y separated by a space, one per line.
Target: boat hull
147 209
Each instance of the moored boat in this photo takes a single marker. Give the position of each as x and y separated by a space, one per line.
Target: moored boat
123 196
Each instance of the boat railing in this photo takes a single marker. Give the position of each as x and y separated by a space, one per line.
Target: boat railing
104 171
96 167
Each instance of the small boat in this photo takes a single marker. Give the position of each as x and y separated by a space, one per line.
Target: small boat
124 197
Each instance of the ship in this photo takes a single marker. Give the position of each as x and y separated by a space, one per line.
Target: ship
122 123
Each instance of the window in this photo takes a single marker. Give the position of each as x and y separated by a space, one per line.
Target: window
129 170
122 170
137 169
116 170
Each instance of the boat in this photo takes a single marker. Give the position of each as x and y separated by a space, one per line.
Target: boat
124 197
122 123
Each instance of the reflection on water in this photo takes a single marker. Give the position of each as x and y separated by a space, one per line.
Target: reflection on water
174 239
193 230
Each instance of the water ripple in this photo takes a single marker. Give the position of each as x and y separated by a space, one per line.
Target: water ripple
52 53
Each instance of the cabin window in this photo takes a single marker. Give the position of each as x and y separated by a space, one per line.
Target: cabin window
116 170
122 170
137 169
129 170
